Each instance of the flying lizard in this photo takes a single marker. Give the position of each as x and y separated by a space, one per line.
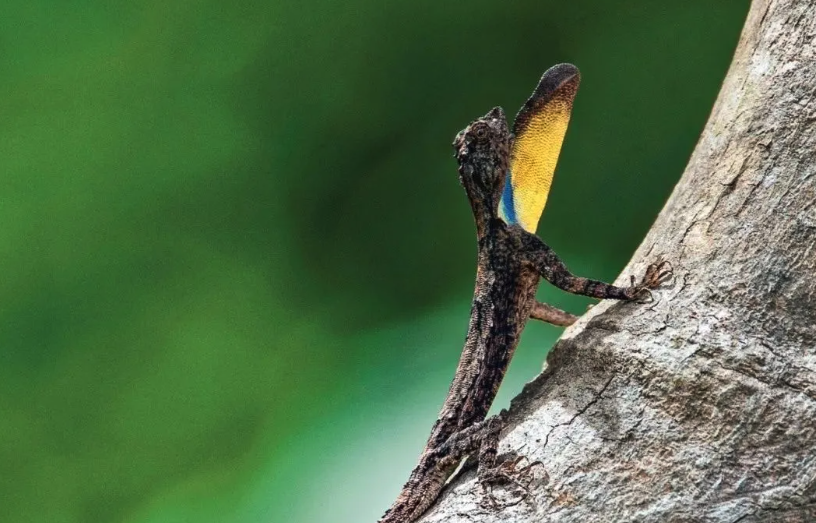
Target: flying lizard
507 178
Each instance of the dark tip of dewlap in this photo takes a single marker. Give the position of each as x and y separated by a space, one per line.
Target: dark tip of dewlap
558 82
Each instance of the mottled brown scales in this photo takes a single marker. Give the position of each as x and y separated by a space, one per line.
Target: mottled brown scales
511 261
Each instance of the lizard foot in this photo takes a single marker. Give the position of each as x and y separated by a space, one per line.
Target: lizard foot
656 274
507 473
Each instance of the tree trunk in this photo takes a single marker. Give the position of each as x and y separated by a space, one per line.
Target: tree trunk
700 406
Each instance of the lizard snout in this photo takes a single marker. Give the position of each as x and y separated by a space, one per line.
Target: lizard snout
460 146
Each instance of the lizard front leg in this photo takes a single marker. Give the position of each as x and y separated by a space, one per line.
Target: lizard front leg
552 269
553 315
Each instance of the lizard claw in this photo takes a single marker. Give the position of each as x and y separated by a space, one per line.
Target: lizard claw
510 473
656 274
659 272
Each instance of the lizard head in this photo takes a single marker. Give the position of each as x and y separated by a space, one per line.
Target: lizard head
483 150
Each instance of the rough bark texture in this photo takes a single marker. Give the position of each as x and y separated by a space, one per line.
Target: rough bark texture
702 405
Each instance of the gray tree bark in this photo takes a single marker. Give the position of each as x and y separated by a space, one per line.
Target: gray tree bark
702 405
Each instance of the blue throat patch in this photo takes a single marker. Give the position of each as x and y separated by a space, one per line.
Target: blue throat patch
507 205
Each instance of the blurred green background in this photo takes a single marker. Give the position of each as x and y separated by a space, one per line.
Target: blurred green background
236 261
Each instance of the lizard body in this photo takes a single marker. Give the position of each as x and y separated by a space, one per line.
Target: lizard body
511 262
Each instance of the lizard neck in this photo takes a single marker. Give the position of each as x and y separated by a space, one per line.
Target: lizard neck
484 214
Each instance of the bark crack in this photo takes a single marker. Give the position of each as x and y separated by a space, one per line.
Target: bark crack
589 404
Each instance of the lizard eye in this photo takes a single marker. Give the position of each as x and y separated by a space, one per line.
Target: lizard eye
480 132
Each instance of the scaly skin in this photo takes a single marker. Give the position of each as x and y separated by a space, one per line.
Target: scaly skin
511 262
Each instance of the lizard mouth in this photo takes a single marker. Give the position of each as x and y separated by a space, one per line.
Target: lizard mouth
460 146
